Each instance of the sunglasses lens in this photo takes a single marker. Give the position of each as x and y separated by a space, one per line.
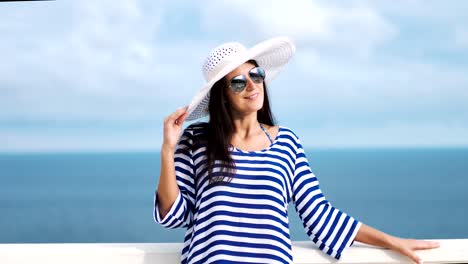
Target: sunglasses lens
257 74
238 84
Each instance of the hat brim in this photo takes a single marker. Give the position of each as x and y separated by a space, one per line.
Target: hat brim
271 55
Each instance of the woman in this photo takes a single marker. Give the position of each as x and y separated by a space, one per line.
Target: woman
229 181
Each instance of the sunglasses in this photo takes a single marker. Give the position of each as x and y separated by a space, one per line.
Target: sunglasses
239 82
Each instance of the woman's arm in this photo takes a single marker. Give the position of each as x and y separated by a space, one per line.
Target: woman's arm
167 187
406 247
329 228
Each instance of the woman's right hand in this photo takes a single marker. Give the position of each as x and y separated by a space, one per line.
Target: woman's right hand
173 128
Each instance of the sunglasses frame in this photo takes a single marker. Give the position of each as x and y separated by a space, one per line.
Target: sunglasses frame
256 71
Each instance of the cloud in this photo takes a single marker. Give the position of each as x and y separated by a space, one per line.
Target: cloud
351 29
80 70
97 65
461 37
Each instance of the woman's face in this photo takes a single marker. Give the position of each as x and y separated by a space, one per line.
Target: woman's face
251 98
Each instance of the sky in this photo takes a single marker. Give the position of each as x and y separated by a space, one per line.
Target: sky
102 75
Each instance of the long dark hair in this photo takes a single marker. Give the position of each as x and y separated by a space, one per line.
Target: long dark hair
220 129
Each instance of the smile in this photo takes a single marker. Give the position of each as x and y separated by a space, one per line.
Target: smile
253 96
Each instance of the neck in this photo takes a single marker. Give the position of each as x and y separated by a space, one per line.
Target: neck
246 126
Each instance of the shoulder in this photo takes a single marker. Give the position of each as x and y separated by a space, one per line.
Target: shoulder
190 137
290 136
289 132
194 135
279 130
196 128
273 131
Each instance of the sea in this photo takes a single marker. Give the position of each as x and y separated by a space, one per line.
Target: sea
109 197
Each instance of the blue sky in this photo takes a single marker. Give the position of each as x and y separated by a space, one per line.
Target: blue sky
102 75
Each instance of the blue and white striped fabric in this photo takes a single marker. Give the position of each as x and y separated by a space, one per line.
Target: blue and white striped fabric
246 220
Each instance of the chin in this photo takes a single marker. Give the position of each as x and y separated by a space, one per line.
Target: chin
256 108
251 107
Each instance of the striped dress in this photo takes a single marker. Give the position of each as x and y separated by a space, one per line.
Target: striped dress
246 220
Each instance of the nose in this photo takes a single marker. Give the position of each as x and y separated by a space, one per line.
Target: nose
250 84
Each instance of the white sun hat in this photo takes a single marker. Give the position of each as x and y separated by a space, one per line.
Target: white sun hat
271 55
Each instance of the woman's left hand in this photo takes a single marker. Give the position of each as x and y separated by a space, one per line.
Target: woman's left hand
407 247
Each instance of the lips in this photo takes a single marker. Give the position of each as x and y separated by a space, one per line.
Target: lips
253 96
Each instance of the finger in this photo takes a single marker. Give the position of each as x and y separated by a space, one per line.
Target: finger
435 243
179 120
178 112
412 256
171 118
184 115
182 118
426 245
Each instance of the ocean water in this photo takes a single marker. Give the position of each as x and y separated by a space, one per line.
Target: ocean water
108 197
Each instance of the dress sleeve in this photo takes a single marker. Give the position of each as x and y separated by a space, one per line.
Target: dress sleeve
181 211
329 228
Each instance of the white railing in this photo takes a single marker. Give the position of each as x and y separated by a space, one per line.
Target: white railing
450 251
